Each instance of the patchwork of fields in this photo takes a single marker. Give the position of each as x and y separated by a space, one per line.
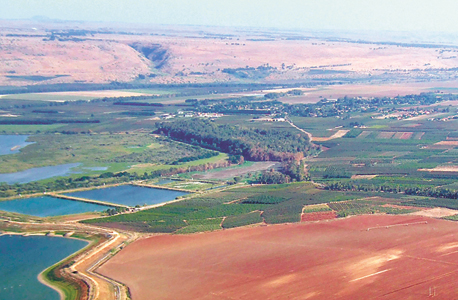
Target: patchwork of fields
312 168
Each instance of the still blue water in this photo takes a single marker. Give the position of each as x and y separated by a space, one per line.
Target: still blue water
49 206
7 142
129 195
23 258
35 174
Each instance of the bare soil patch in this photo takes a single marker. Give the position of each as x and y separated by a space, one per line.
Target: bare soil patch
385 135
441 169
447 143
318 216
336 135
363 176
437 212
400 257
406 135
402 135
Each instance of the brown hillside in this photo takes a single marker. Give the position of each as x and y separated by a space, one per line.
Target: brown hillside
100 56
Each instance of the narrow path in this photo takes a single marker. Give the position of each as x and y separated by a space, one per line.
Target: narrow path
80 199
302 130
161 187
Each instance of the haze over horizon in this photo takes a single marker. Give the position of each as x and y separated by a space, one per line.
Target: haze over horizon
375 15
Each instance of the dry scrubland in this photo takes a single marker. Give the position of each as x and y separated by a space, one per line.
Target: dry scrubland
200 56
399 257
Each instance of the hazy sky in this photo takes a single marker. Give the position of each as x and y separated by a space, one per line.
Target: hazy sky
427 15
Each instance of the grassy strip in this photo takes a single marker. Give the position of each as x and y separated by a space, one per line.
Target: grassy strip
451 218
71 291
71 288
23 129
315 209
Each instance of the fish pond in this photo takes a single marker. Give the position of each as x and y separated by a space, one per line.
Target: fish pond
130 195
23 258
10 144
49 206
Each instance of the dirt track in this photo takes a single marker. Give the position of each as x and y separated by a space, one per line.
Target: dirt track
337 259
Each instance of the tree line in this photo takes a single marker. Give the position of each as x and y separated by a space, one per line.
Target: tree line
253 144
434 192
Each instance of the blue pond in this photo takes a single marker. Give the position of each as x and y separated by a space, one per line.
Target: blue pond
23 258
130 195
10 144
35 174
49 206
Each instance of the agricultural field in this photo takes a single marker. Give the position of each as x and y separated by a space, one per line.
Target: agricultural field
266 204
386 257
356 148
237 205
396 152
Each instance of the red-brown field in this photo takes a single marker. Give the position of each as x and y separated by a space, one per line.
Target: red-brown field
337 259
318 216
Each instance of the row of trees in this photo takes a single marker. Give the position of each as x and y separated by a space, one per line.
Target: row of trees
434 192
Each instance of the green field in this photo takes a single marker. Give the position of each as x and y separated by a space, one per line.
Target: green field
29 129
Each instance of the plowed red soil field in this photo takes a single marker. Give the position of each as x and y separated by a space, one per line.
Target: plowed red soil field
400 257
318 216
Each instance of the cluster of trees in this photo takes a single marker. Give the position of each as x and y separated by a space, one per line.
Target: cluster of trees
250 72
295 170
247 105
115 211
273 177
253 144
290 172
427 191
288 93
